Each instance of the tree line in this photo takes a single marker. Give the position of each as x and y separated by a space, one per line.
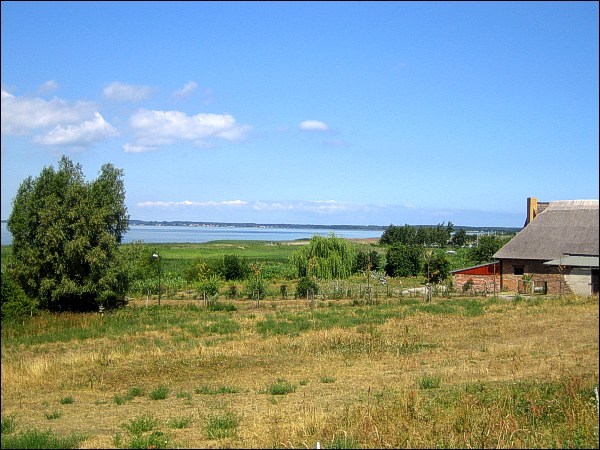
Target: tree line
67 253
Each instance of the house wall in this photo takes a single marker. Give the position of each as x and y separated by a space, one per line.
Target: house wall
481 283
579 280
567 280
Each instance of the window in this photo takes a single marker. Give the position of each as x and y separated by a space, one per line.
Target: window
518 270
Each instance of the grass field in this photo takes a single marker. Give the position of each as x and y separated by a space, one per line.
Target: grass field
461 372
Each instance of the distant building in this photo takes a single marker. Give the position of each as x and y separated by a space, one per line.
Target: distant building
556 252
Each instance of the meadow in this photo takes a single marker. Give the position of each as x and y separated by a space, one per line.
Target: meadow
389 370
398 373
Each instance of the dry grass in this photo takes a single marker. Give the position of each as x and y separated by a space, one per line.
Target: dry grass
491 369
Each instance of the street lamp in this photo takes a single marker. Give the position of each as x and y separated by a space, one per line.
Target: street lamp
155 256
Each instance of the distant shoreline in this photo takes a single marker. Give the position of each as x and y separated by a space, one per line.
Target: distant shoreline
189 223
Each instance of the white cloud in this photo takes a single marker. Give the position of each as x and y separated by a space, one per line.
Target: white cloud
315 206
189 87
155 128
226 203
313 125
82 134
21 115
126 92
131 148
48 86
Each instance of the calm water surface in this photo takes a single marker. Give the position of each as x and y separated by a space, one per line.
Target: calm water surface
180 234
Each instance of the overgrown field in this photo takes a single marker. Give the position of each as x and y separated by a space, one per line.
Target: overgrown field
400 373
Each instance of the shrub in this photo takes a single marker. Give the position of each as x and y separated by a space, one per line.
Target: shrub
209 286
306 286
232 291
404 260
256 287
234 267
14 302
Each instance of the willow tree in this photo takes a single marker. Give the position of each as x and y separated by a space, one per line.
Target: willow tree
66 235
325 257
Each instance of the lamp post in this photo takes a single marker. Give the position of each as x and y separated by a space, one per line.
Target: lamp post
155 256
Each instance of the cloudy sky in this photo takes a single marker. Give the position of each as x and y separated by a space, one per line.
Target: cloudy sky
308 112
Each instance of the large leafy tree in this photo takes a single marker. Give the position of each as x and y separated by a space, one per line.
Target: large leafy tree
485 249
66 237
325 257
404 260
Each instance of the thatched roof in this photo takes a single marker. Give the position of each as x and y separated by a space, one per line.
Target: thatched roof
564 227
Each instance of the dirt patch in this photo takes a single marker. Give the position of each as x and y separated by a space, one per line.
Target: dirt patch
364 240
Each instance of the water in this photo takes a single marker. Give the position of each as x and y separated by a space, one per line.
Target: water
181 234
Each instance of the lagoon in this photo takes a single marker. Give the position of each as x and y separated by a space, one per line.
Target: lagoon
183 234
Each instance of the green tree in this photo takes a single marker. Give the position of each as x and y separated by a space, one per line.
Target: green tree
404 260
436 267
306 286
366 260
66 238
234 267
325 257
394 234
484 251
459 238
13 301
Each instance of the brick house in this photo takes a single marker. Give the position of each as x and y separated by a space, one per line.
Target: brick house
556 252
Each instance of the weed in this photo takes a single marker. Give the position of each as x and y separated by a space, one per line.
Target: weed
429 382
179 422
160 393
8 424
223 425
119 400
141 424
66 400
156 439
210 391
185 395
327 379
281 387
135 392
53 415
41 439
343 442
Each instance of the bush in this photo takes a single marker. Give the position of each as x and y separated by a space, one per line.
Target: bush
404 260
306 286
14 302
235 268
256 286
209 286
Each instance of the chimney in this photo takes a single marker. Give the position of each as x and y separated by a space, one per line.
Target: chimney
531 209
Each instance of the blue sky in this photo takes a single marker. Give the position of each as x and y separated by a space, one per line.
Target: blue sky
308 112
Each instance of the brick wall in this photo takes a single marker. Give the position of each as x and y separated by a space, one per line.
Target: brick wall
555 280
481 283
